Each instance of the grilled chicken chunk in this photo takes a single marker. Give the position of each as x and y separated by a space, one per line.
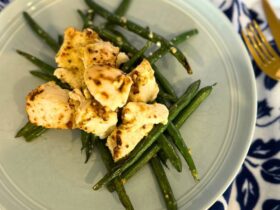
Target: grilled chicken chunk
70 55
108 85
124 139
48 106
91 117
144 88
138 120
100 53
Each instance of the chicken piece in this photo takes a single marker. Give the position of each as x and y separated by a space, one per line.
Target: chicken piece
91 117
70 54
144 88
100 53
137 114
48 106
72 50
123 140
108 85
138 120
103 53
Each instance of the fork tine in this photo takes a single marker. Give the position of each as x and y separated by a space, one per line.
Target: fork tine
264 40
251 37
252 50
263 49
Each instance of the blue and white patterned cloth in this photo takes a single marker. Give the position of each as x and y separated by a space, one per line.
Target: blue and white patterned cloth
257 186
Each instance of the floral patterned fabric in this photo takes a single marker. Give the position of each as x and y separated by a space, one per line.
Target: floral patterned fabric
257 186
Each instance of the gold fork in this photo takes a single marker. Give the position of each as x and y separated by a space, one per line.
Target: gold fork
264 55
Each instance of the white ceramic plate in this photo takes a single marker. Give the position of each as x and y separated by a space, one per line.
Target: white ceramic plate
49 173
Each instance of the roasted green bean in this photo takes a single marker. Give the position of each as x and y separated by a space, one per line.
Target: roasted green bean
41 32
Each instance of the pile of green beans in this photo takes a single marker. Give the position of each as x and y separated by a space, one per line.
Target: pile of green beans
157 147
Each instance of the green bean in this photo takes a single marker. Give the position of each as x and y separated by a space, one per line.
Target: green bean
85 137
119 35
167 87
125 200
41 32
163 82
118 185
163 158
49 77
43 76
182 147
38 131
169 150
88 142
30 131
176 40
198 99
184 36
128 65
164 184
123 7
87 19
120 11
163 101
37 62
184 100
26 128
175 109
82 16
60 39
167 96
151 152
143 32
90 16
